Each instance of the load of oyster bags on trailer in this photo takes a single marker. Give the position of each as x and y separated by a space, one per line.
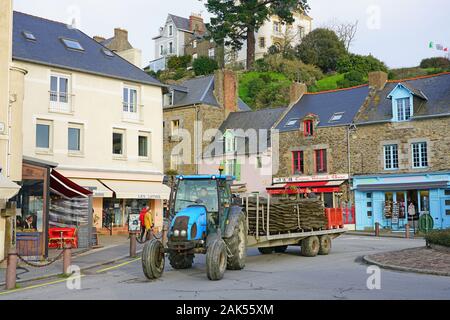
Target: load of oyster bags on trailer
286 215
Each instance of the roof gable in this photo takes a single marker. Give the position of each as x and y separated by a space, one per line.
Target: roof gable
404 87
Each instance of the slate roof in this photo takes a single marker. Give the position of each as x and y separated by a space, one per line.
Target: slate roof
199 90
49 50
180 22
433 93
325 105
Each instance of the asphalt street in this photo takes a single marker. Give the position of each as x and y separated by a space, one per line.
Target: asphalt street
340 275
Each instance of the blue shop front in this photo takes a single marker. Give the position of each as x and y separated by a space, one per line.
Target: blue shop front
395 200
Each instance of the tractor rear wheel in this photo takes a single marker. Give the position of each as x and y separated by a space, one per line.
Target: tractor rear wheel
153 259
216 260
280 249
181 261
267 250
237 245
310 246
325 245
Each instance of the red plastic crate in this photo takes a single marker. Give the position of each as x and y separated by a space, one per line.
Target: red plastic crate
335 218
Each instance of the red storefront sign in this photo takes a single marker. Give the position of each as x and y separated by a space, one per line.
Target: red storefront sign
299 187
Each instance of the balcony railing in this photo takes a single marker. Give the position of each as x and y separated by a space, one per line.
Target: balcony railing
132 112
61 102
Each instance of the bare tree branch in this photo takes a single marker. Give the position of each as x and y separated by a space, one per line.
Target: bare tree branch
346 31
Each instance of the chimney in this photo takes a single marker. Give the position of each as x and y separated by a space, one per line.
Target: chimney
121 34
196 23
226 90
296 92
377 79
99 39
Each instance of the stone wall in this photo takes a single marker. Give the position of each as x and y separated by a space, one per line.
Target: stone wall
368 141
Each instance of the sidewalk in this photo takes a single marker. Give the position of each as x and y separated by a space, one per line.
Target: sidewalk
113 248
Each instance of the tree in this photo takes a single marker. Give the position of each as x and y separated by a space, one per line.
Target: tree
437 62
236 22
322 48
346 31
362 64
204 66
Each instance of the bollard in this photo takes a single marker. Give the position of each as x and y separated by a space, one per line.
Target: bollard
407 231
377 229
133 244
11 270
67 257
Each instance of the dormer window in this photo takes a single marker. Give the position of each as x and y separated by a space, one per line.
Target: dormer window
403 109
308 128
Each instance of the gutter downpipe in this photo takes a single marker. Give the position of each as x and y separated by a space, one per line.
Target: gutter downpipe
197 158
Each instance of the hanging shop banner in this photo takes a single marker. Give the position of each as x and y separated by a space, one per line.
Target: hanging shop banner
328 177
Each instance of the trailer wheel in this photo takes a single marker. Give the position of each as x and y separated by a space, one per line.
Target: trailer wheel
310 246
325 245
216 260
237 244
153 260
181 261
267 250
280 249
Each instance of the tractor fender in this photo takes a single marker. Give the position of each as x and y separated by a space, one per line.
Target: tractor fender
232 221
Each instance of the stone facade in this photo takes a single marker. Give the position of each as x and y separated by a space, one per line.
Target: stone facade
368 141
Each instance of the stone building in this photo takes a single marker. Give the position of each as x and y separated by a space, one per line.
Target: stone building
314 144
400 153
190 110
120 44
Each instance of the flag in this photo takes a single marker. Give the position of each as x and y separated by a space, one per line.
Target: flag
439 47
431 45
446 49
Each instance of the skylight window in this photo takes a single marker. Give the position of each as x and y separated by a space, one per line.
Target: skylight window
337 116
291 122
108 53
72 44
29 36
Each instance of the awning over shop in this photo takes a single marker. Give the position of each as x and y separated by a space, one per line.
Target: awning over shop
138 189
63 186
300 187
8 189
94 185
403 186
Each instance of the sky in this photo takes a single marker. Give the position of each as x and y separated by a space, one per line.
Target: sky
397 32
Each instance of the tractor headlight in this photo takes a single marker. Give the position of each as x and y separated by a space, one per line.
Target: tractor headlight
183 233
176 233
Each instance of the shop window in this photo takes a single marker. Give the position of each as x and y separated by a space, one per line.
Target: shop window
369 214
369 204
308 128
321 161
447 203
369 195
298 164
420 155
447 192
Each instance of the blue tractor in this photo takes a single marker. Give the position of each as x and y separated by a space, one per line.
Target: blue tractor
205 220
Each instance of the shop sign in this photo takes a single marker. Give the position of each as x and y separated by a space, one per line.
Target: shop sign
134 225
149 196
328 177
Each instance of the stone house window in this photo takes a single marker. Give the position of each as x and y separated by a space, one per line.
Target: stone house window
321 161
391 157
175 127
308 128
419 155
298 163
262 42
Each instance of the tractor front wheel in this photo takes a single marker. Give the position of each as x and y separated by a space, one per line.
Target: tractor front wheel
237 245
216 260
153 259
181 261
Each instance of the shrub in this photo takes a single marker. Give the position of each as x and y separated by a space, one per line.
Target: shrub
204 66
437 63
439 237
351 79
182 62
362 64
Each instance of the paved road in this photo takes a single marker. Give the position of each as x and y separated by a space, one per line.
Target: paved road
341 275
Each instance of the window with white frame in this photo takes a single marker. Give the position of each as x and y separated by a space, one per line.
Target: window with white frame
170 30
59 93
391 157
175 127
118 142
230 167
144 145
230 143
170 47
44 135
403 109
130 103
211 53
276 27
420 155
175 161
75 138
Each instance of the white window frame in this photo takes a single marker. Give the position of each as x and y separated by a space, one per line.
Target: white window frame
80 127
48 123
391 161
59 104
403 111
123 132
148 136
175 161
170 30
230 167
419 151
211 53
127 105
230 142
171 47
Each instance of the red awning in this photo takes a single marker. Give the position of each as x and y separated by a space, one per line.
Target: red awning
64 186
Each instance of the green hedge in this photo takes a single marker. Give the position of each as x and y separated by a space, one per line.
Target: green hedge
439 237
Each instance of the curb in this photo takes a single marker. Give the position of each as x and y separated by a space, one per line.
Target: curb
352 233
94 265
404 269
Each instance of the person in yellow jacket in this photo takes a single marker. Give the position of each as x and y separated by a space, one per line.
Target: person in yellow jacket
148 223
